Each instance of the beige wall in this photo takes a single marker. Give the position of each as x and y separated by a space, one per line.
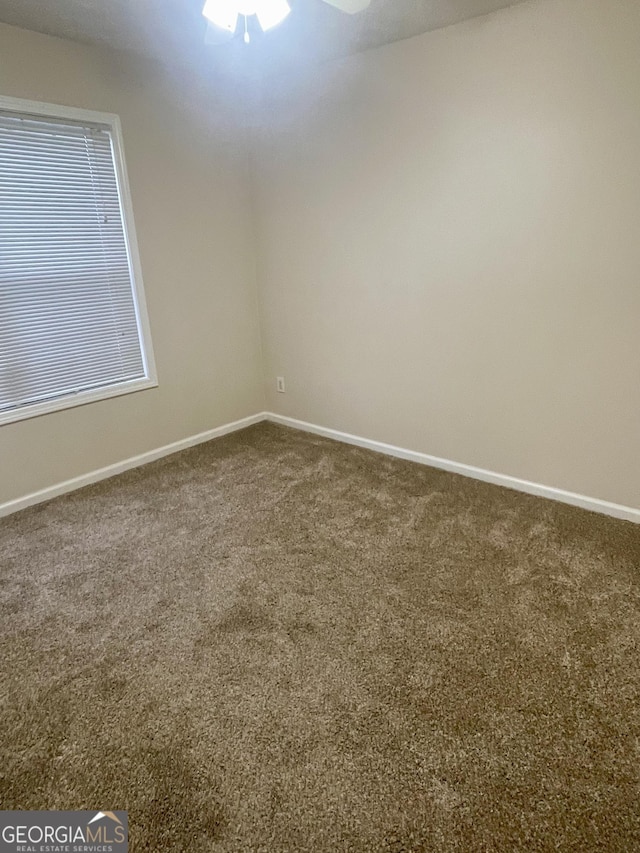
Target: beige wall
188 176
449 245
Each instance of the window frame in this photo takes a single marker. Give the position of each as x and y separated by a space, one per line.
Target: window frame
111 121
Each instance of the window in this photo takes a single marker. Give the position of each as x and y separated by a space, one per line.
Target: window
73 325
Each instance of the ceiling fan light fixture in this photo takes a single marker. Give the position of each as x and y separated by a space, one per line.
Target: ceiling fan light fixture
222 14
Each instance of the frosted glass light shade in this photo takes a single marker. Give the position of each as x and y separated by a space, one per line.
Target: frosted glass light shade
222 13
271 12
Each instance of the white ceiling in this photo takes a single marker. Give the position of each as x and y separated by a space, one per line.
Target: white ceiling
173 30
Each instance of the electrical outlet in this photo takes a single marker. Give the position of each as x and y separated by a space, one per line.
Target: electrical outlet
280 384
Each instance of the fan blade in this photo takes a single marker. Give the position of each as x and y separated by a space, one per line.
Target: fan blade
349 6
216 35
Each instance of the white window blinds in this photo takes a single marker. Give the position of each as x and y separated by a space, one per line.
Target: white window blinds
69 322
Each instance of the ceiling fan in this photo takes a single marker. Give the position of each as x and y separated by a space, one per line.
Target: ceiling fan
222 15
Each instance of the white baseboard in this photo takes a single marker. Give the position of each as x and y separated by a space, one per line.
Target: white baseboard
594 504
118 467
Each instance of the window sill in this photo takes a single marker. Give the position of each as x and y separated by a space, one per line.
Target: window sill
72 401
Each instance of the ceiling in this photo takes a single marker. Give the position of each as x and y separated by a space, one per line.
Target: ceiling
172 31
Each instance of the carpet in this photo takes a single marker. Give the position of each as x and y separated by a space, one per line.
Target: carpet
275 642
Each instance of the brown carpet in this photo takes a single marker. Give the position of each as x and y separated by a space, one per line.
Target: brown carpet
273 642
